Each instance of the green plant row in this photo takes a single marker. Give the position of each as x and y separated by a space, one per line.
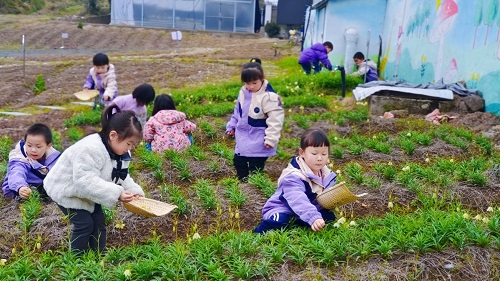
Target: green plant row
244 255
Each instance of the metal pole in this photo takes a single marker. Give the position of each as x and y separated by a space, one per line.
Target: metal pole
367 50
142 13
24 58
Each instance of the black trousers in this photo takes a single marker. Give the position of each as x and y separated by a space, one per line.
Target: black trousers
246 165
89 229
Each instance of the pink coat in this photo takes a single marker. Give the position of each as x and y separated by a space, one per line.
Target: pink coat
168 129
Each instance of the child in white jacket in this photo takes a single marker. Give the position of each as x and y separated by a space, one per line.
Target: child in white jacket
94 172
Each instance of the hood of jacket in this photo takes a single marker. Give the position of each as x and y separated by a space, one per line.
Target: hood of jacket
169 117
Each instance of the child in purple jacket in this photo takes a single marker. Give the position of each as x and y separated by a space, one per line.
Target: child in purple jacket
256 122
305 177
314 55
137 101
29 163
102 77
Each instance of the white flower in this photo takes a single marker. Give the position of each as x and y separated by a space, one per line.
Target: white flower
341 220
352 223
390 205
389 163
330 165
336 225
486 220
335 138
478 217
408 135
196 236
127 273
3 261
427 160
451 160
374 137
490 209
290 110
466 216
406 168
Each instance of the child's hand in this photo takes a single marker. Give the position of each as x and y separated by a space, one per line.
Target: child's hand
105 98
268 146
24 192
230 133
126 196
318 225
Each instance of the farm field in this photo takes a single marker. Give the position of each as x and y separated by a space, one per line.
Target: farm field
432 211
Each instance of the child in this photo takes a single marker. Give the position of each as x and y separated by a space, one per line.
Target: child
29 163
167 128
314 55
256 122
305 177
94 172
137 101
365 67
269 87
102 77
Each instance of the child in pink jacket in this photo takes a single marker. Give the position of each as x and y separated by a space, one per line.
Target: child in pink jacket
167 128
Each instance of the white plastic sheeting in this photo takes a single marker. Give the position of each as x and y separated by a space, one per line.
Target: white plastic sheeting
214 15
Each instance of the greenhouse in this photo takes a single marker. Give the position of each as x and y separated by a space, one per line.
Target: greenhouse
212 15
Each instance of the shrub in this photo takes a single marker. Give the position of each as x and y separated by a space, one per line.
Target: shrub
272 29
39 85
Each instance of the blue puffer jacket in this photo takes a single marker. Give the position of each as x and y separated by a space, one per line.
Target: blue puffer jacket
316 53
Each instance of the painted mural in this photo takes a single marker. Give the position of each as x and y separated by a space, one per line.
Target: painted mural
424 40
445 40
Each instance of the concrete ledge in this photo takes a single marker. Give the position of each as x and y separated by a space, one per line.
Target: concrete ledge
379 104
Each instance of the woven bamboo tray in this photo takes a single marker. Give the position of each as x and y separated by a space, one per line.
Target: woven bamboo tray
148 207
86 94
336 196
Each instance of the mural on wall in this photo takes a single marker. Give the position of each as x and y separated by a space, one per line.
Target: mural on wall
444 41
355 16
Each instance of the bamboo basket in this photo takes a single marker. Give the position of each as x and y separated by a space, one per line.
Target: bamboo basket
336 196
86 94
148 207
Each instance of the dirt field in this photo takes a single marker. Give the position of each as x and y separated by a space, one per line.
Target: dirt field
143 55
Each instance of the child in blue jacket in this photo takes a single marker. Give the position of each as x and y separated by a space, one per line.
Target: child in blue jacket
29 163
311 57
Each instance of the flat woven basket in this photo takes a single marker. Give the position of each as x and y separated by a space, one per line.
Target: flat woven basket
148 207
336 196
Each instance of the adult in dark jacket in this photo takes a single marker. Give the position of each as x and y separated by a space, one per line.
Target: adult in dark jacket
311 57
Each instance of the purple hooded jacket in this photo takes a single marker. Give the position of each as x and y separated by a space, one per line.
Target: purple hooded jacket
22 170
297 191
314 54
257 120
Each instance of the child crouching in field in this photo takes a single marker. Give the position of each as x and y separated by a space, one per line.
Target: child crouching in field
137 101
305 178
102 77
94 172
168 128
29 163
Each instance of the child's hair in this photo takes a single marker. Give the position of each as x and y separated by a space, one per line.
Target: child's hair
252 71
163 102
257 60
39 129
144 94
100 59
314 138
328 44
123 122
359 56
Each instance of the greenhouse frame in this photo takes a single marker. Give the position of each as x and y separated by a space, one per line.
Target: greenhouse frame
212 15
